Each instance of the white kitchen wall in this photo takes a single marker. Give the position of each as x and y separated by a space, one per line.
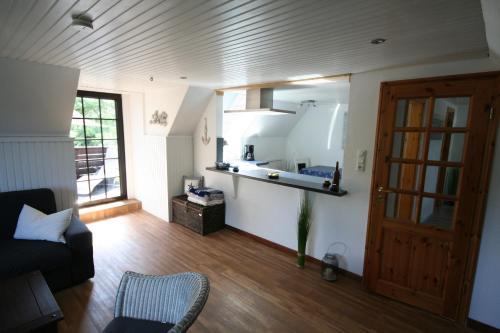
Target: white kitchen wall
269 211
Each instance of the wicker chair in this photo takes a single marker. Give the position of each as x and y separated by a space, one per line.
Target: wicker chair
168 303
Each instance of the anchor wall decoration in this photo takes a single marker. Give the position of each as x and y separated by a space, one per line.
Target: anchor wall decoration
205 138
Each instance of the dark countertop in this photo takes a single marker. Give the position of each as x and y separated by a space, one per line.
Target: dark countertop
261 175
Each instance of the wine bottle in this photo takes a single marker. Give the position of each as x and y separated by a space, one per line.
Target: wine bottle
336 179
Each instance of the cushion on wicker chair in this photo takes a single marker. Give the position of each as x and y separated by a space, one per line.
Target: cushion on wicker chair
131 325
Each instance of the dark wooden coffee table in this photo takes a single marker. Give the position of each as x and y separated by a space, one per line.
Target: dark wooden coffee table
27 304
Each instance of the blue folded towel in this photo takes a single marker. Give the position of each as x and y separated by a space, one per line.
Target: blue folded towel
207 192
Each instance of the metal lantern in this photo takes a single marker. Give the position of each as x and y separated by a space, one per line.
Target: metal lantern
329 267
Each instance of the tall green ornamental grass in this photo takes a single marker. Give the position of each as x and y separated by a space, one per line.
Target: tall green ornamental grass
303 226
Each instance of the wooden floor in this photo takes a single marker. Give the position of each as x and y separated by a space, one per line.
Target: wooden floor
254 288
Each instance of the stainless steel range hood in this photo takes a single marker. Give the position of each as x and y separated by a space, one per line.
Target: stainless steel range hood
260 100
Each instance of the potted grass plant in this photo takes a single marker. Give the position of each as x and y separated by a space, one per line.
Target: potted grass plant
303 226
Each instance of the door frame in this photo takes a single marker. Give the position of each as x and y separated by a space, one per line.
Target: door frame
474 235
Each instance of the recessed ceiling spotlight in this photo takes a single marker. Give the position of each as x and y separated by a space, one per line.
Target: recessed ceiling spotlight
183 77
377 41
82 22
151 78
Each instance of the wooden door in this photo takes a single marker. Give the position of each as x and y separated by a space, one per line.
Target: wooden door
432 151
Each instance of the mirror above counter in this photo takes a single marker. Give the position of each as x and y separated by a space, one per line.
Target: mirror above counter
297 130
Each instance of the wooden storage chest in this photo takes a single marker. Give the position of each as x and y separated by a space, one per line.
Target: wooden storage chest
201 219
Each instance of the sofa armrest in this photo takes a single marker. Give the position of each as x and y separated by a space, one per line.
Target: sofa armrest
79 240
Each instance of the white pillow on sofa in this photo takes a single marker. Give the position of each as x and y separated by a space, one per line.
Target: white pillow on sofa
35 225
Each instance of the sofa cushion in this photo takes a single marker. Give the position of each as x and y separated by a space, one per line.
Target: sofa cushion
131 325
35 225
23 256
11 204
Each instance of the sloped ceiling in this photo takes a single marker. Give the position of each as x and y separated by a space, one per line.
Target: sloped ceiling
225 43
36 100
189 114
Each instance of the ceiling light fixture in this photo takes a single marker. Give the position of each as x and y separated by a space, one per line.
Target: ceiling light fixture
82 22
183 77
377 41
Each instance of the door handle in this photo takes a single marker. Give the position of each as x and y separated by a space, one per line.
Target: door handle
381 189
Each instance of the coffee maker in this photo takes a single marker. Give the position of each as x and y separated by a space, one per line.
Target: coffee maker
249 153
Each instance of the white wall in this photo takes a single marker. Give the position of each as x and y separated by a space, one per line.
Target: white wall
270 211
37 100
35 116
39 162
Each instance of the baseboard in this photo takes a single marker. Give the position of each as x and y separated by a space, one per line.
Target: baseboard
289 251
480 327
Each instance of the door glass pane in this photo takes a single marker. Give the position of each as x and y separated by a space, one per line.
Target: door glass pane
78 111
412 112
91 107
98 189
450 112
408 145
82 172
82 191
112 167
94 149
442 180
438 213
113 187
77 130
93 129
108 109
110 148
404 176
109 129
446 147
401 206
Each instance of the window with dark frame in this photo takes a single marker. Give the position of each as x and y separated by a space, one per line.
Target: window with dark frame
97 130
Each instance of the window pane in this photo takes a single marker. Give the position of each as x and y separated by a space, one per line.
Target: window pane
412 112
401 206
82 172
96 168
77 110
109 129
83 191
93 129
111 148
91 107
77 129
408 145
112 167
98 187
404 176
108 109
450 112
442 180
446 147
438 213
113 188
80 146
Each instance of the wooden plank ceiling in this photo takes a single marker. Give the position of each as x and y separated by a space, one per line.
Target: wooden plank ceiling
227 43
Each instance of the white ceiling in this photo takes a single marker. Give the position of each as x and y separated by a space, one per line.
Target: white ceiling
226 43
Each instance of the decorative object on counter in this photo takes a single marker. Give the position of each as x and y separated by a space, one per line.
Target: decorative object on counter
205 138
236 169
273 175
200 219
249 154
192 181
327 183
205 196
330 263
303 226
222 166
159 118
336 179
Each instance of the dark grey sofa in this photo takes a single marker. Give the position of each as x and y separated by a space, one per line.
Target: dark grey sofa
62 265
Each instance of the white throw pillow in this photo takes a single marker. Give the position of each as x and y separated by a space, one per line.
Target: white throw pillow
35 225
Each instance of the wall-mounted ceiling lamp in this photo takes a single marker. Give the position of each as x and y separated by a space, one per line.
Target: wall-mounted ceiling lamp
82 22
378 41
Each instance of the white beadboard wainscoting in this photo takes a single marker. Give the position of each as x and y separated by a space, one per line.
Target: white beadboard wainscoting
39 162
